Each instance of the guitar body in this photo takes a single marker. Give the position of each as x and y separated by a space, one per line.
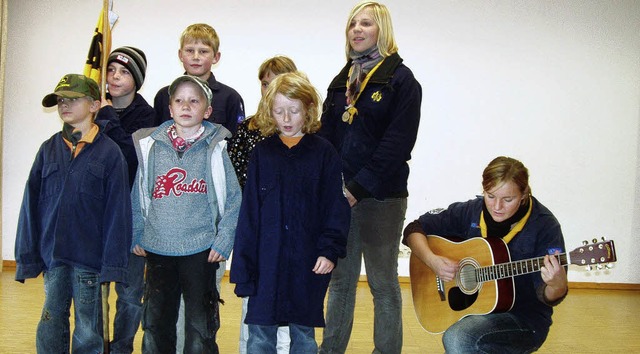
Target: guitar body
440 304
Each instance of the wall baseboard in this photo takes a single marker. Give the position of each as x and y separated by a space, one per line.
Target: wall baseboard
11 265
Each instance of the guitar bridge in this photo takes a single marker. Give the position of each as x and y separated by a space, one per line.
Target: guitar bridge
440 286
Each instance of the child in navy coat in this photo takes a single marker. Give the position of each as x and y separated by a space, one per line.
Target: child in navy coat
293 220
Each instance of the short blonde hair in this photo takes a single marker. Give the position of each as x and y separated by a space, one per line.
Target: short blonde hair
200 32
386 41
295 86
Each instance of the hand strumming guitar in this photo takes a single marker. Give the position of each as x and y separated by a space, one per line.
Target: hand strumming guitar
443 267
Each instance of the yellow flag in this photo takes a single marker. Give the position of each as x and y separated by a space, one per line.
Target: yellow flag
100 43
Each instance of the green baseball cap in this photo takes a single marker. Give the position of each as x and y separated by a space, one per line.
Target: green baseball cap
72 86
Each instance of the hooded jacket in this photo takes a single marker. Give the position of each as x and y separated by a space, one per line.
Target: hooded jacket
223 194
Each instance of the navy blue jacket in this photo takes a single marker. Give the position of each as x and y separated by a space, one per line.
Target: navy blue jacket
375 148
541 235
227 104
293 211
139 114
75 212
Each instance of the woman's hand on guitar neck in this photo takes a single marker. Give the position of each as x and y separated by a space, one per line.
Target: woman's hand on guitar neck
554 275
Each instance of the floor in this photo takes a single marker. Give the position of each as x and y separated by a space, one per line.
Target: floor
588 321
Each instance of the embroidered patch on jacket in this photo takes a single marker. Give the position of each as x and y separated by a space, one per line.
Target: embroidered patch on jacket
376 96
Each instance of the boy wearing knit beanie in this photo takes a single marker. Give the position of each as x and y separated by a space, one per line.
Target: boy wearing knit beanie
123 112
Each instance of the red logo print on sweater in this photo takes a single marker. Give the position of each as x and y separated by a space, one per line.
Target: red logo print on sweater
173 182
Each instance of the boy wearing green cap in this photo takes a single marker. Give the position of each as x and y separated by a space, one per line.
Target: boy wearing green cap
75 220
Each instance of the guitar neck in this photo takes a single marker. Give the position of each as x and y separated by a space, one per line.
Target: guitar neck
515 268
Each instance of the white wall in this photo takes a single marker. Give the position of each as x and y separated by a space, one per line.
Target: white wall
555 84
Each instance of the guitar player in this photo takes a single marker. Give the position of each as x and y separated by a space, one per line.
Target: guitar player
506 210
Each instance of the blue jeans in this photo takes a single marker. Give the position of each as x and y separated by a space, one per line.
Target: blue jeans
493 333
375 232
62 285
282 344
264 339
167 279
128 307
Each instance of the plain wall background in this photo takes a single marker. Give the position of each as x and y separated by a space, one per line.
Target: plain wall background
555 84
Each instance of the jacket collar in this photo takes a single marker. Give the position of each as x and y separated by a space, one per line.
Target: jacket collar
381 76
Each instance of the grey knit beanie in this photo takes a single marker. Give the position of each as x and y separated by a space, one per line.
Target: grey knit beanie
134 60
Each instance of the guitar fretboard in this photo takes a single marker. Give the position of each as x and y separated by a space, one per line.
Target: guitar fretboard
515 268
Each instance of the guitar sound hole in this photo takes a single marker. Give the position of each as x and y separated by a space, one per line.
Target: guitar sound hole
459 301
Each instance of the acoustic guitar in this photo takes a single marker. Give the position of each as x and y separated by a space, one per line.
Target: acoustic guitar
484 283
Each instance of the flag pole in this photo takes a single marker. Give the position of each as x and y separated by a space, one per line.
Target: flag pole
105 48
104 287
104 55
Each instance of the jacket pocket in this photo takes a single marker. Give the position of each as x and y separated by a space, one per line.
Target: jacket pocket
88 286
93 181
51 180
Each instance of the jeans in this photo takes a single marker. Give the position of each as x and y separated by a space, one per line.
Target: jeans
128 307
222 267
375 232
492 333
61 285
263 339
169 278
283 338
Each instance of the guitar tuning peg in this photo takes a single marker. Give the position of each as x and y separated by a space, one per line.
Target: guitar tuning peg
603 239
585 242
608 266
589 267
595 240
599 266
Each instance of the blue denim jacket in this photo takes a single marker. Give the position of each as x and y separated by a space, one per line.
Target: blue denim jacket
75 212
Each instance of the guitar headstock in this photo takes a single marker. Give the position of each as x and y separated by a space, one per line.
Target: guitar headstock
596 253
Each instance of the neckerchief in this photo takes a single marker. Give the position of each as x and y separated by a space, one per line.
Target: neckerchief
514 230
365 63
75 141
180 144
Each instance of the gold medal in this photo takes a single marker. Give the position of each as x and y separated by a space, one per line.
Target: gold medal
346 116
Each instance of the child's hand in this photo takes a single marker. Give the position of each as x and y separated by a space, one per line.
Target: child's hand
215 257
106 102
138 251
323 266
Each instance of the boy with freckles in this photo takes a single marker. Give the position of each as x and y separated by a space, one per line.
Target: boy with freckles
185 201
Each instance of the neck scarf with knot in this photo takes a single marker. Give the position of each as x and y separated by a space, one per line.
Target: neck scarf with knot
180 144
361 65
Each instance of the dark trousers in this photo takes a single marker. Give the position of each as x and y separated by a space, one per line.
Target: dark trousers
169 277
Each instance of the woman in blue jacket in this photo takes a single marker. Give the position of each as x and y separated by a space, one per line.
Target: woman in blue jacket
507 210
371 116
